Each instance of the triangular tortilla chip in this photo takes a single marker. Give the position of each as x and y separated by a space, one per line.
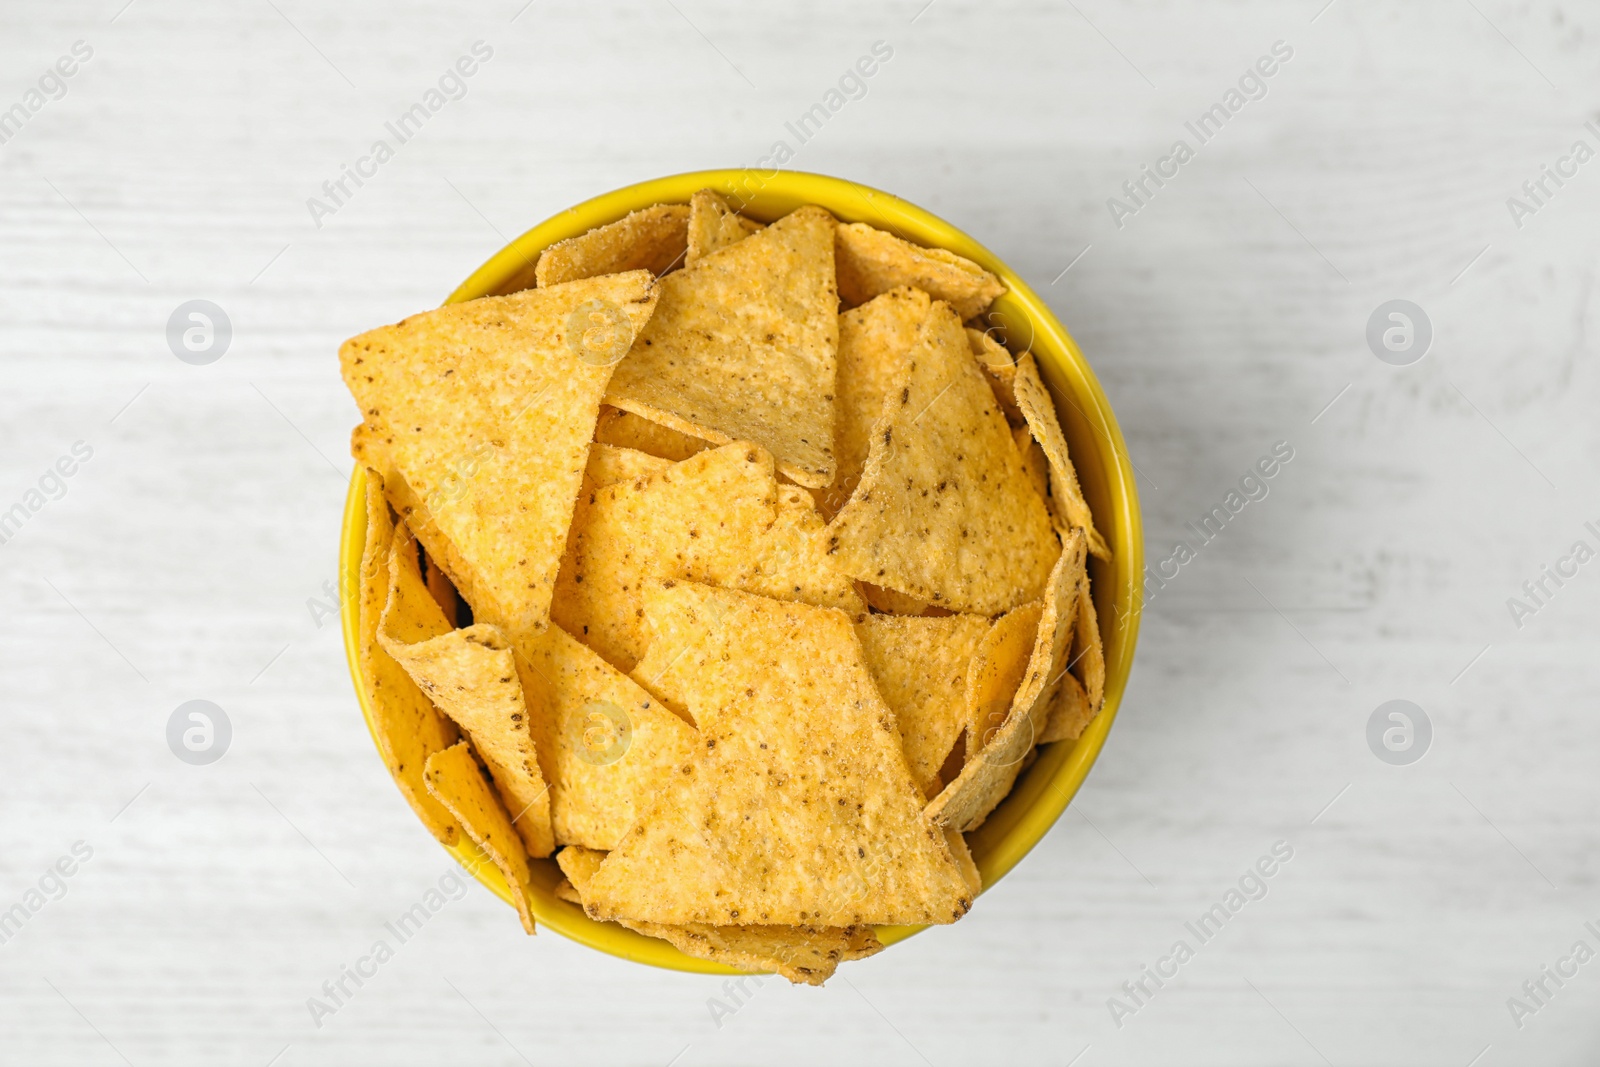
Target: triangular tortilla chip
873 262
1069 712
920 668
440 588
713 225
510 387
471 674
1033 461
405 723
717 517
1040 411
1000 369
454 779
607 747
652 239
624 428
802 954
800 809
1088 652
944 511
609 464
994 674
875 340
742 347
990 772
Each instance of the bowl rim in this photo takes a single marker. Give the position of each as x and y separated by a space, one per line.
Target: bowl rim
1045 789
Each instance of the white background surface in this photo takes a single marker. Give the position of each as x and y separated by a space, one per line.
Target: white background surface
1222 318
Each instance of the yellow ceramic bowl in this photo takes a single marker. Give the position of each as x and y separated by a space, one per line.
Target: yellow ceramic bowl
1024 322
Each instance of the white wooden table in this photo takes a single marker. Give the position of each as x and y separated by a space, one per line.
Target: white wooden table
1226 314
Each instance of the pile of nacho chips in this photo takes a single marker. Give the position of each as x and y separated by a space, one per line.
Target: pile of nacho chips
734 566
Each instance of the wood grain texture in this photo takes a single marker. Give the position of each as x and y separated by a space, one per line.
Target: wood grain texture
1222 317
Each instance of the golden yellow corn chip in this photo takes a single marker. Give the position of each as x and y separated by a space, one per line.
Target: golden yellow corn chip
799 809
609 464
995 673
1000 369
713 225
1033 461
717 517
991 770
1088 652
944 511
1040 411
873 262
486 410
440 588
454 779
1069 712
624 428
963 857
471 675
742 347
874 341
405 723
920 668
652 239
607 746
802 954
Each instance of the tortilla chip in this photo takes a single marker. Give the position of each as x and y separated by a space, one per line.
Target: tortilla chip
802 954
990 772
716 517
995 673
920 669
471 675
628 430
607 747
713 225
1069 712
875 340
871 262
1040 411
454 779
799 809
944 511
893 603
440 588
486 408
1088 652
963 857
609 464
1000 369
1033 461
652 239
404 722
742 347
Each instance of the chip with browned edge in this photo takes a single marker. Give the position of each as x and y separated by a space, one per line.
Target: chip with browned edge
920 668
799 809
1000 369
944 510
992 769
454 779
742 347
713 225
472 676
511 386
405 723
1040 411
653 239
719 516
802 954
872 262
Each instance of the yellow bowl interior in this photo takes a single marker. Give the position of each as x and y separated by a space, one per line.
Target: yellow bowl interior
1024 322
